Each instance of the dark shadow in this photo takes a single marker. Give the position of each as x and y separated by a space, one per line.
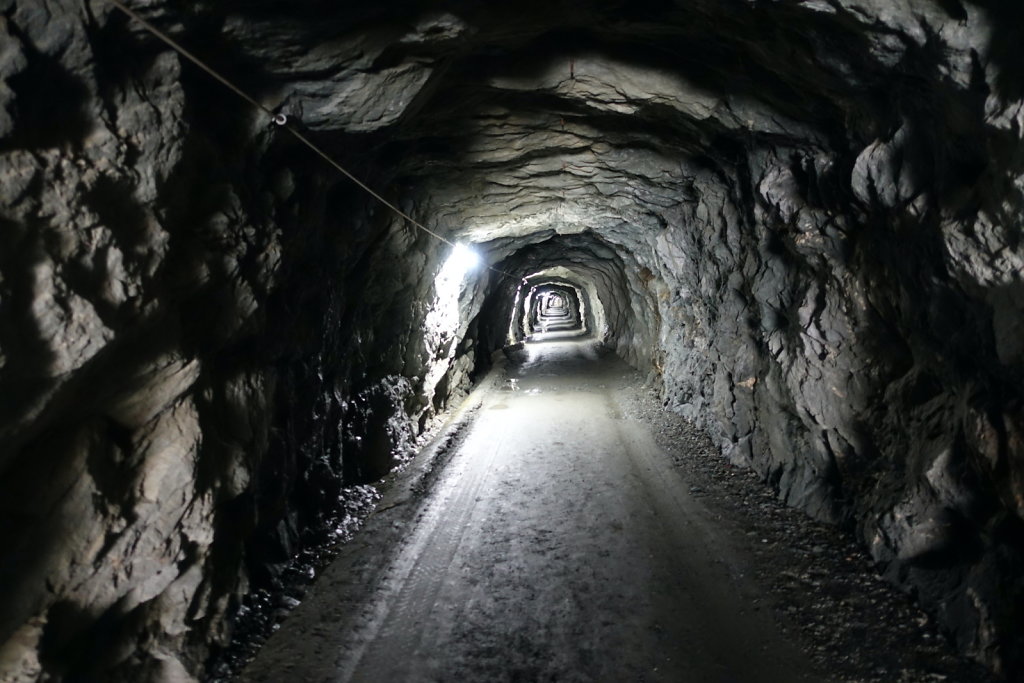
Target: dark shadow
1007 20
113 201
49 105
25 376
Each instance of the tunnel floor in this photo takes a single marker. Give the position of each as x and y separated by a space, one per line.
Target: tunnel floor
559 539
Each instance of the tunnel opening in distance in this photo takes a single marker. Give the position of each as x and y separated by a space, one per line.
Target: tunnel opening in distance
554 310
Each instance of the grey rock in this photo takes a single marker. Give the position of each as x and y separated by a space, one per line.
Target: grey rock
800 220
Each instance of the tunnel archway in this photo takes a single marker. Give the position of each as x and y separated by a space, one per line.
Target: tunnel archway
551 306
617 303
798 220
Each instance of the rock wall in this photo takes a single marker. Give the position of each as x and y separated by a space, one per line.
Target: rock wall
202 344
838 321
849 363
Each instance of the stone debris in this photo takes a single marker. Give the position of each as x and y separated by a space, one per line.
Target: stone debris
821 584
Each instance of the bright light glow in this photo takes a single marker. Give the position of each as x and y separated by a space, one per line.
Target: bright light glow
462 260
444 326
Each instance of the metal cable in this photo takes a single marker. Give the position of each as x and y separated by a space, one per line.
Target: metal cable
282 122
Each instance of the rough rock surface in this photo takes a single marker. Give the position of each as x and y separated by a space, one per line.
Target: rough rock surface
802 218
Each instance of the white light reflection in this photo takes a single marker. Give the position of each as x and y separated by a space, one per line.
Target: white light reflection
442 325
462 260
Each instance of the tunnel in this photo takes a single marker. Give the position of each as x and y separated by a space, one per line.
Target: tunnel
553 308
225 319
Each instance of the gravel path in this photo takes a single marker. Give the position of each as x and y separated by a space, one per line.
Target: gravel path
572 531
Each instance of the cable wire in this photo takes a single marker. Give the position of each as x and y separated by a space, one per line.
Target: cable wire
282 122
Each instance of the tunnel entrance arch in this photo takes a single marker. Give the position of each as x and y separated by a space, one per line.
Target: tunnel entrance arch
583 310
553 307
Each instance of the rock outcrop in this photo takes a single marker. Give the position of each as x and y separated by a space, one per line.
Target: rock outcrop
802 218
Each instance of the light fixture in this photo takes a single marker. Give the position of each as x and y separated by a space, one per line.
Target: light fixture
462 259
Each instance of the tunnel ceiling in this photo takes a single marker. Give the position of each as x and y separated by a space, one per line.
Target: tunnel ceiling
622 117
569 117
799 219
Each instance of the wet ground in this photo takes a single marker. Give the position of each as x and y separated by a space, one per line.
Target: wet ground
566 529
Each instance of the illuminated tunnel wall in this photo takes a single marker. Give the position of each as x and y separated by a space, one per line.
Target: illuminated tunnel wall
800 221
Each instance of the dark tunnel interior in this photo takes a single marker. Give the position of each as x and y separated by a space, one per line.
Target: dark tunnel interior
800 221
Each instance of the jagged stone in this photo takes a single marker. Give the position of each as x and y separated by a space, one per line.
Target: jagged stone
801 218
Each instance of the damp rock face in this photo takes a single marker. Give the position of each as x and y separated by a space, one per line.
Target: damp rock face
803 220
